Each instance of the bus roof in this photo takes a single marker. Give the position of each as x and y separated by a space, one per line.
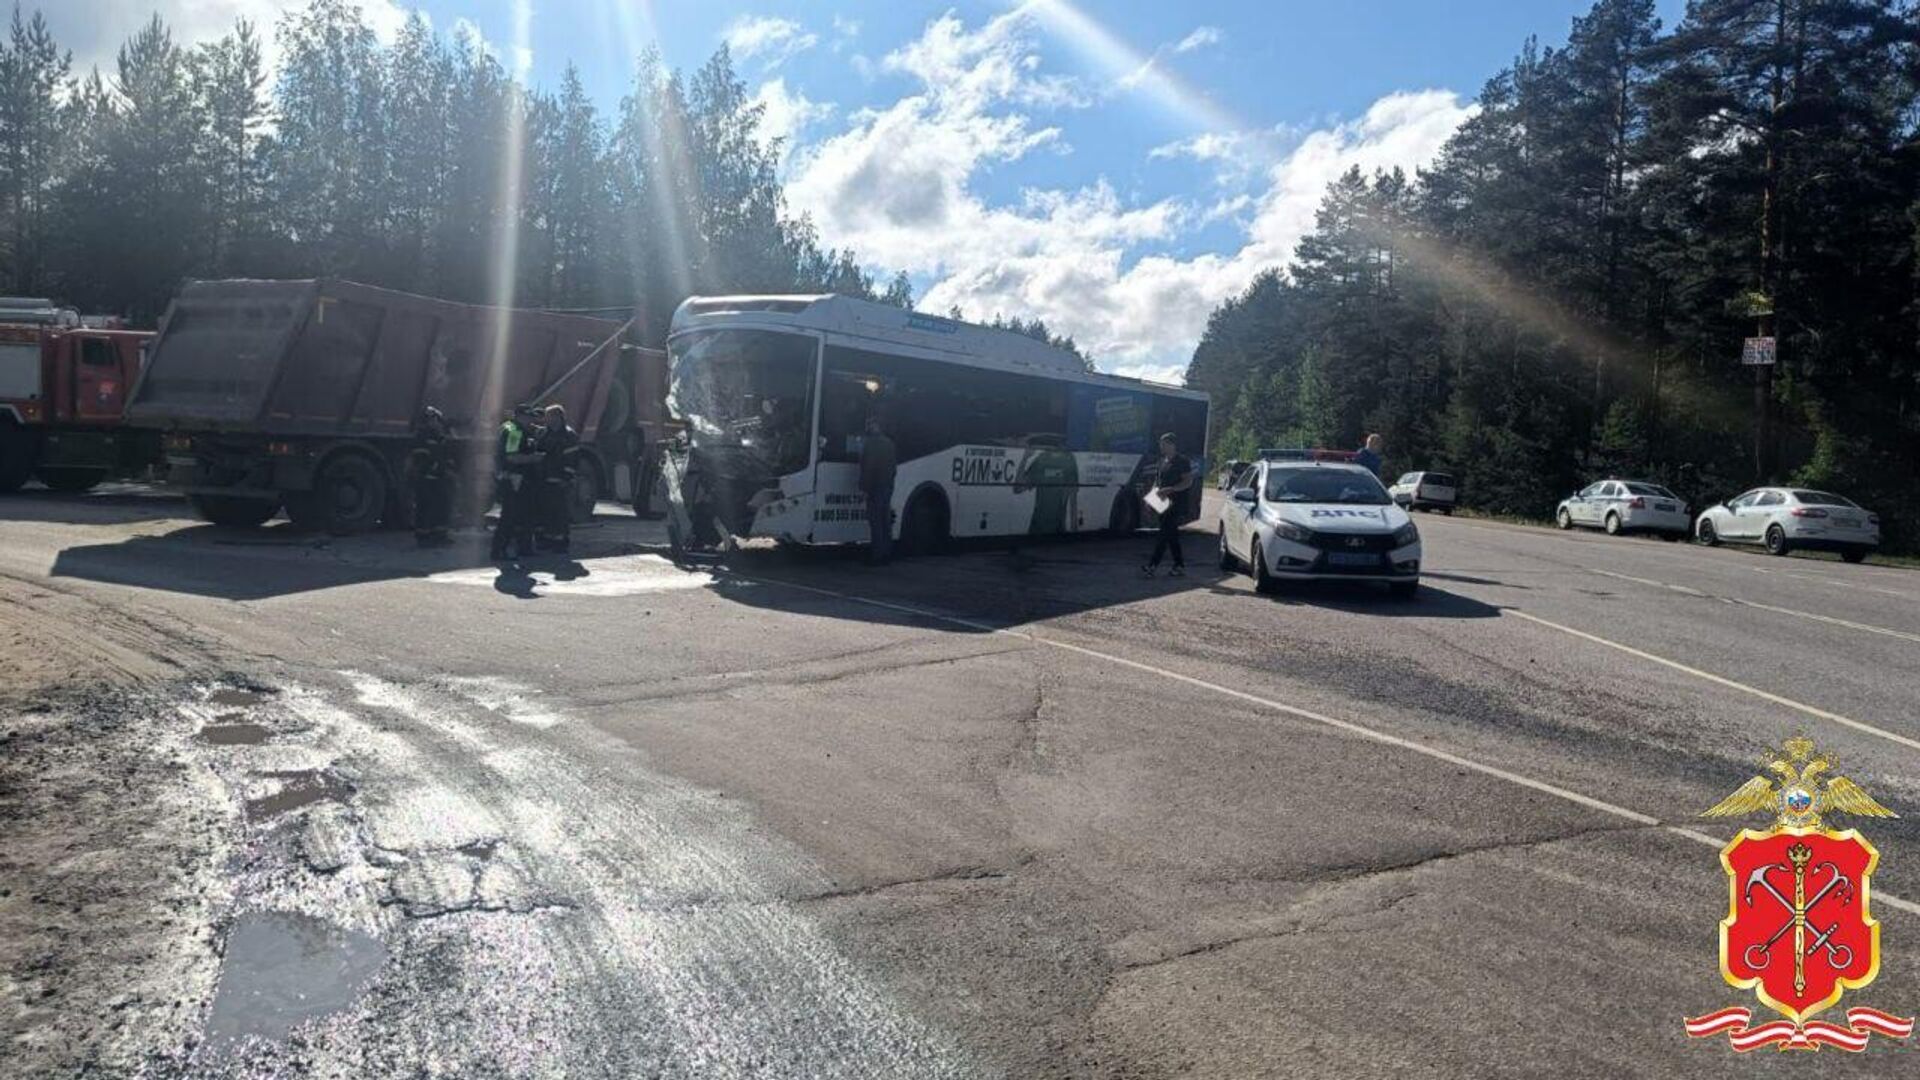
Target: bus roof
912 333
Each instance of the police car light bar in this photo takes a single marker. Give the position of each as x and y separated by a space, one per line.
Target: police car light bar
1300 453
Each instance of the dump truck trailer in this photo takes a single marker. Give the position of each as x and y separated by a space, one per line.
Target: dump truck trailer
63 384
306 395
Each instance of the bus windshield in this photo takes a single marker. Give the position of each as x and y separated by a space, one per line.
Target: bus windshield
746 393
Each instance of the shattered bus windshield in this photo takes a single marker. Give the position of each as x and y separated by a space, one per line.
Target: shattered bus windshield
746 394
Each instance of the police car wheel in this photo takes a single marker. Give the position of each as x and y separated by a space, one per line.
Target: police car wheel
1262 581
1613 524
1565 519
1777 541
1227 561
1707 536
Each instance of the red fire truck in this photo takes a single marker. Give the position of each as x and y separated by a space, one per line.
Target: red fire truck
63 387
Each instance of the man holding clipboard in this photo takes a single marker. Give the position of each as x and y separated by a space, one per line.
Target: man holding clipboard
1176 476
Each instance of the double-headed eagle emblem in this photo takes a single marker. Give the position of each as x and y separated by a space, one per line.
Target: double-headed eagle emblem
1799 797
1799 932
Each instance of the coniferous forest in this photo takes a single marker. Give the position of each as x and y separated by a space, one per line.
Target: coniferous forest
1563 294
420 165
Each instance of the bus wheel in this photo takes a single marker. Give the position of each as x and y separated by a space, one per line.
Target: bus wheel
1125 518
924 528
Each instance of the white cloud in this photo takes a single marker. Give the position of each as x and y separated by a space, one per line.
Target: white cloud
899 186
1171 374
771 40
787 114
95 29
1201 37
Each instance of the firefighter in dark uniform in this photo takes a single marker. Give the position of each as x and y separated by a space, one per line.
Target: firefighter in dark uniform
560 446
431 467
516 465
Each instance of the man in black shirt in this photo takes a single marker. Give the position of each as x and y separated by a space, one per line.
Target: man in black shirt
1176 476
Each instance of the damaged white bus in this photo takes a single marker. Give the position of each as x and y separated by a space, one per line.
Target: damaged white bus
997 434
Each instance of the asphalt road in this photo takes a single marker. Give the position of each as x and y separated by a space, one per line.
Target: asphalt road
989 814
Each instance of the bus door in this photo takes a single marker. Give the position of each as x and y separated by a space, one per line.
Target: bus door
848 396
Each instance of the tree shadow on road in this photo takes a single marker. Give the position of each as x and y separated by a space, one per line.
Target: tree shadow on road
984 586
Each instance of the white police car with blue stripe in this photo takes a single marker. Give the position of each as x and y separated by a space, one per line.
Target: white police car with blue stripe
1294 520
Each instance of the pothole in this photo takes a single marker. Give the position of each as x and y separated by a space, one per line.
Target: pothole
234 734
282 968
302 788
234 697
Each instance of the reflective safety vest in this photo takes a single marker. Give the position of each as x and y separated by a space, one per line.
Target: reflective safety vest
514 434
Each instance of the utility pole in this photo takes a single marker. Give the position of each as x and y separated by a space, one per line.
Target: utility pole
1769 251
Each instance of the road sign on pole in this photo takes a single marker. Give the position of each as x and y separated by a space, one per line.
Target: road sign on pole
1758 352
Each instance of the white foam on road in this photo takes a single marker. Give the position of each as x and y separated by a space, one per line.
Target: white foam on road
682 944
626 575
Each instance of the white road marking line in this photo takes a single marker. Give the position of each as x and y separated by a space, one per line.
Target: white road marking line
1829 619
1347 726
1721 680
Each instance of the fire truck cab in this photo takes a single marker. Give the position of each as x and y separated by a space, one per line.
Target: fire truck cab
63 388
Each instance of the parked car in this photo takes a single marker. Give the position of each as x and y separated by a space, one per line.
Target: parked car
1231 473
1318 520
1785 518
1623 506
1425 491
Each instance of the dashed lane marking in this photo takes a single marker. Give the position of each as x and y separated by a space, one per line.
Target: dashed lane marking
1828 619
1348 726
1721 680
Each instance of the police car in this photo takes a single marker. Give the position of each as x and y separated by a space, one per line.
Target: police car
1314 515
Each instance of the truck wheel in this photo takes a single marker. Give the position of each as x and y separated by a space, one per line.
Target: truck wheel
234 511
19 453
69 478
348 497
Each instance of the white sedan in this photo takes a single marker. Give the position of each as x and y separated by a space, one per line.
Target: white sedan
1622 506
1785 518
1318 520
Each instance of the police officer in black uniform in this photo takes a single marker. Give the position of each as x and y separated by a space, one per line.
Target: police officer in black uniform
516 474
560 446
431 468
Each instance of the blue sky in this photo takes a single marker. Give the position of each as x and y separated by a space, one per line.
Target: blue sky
1116 168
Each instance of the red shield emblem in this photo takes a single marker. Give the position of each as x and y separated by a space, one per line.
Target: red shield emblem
1798 930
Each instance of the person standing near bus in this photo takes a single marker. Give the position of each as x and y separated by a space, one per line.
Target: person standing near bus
1053 474
1176 476
878 462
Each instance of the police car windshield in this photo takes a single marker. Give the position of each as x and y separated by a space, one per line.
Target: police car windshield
1315 484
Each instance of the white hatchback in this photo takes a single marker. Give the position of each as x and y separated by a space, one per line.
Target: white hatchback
1426 491
1785 518
1621 506
1318 520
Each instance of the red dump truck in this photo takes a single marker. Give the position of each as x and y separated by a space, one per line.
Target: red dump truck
63 384
305 395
